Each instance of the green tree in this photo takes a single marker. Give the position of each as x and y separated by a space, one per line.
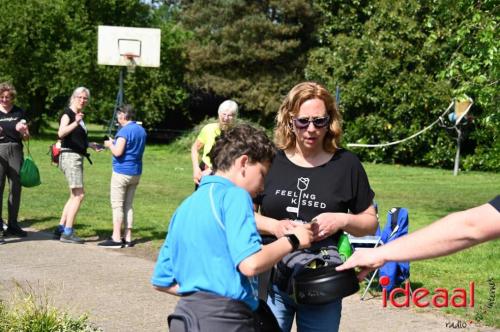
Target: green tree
473 68
50 47
252 51
394 62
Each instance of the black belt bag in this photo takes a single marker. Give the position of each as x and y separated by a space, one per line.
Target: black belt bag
310 277
295 262
323 285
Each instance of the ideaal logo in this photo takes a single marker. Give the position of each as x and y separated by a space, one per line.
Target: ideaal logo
440 297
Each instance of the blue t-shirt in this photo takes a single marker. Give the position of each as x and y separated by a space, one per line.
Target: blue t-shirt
210 233
130 162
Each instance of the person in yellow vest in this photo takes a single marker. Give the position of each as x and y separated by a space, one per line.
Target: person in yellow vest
228 110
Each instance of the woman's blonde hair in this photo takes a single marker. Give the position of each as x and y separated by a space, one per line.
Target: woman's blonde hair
283 134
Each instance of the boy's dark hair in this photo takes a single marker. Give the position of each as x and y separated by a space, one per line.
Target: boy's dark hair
241 140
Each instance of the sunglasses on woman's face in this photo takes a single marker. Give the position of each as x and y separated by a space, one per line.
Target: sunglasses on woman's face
303 123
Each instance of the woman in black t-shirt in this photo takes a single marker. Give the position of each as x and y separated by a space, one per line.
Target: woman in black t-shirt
73 134
13 129
312 178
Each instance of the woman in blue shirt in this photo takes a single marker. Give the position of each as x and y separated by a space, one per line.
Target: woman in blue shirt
127 149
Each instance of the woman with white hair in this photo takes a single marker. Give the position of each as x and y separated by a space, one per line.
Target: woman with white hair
228 111
74 143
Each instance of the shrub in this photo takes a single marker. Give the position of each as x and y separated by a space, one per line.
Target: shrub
32 312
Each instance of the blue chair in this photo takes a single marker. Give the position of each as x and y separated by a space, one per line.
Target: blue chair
396 226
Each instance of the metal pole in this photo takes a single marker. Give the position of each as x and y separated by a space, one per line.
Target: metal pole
457 156
118 101
337 96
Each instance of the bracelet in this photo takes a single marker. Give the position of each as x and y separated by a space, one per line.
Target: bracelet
294 241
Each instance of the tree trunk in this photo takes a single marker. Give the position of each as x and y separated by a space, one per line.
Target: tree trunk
37 108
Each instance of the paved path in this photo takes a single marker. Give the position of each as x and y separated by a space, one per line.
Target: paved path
112 286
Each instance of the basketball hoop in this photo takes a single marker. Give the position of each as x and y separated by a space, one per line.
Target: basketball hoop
130 48
131 63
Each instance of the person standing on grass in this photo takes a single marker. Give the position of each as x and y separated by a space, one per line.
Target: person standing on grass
74 143
12 131
127 149
228 111
213 252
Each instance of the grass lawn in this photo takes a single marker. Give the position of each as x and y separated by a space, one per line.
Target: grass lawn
427 193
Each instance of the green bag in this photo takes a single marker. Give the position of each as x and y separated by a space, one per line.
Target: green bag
29 174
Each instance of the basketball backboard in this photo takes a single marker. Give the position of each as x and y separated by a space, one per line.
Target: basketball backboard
117 46
462 107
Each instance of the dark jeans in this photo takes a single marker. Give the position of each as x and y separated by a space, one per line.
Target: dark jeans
11 159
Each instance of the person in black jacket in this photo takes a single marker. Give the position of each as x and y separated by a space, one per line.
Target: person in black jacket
13 129
74 144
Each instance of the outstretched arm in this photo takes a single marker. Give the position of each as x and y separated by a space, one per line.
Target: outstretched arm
452 233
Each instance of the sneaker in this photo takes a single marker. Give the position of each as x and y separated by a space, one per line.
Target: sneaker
128 244
16 231
109 243
57 234
71 239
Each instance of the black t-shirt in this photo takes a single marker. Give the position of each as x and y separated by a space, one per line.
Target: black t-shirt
295 192
8 122
77 139
495 202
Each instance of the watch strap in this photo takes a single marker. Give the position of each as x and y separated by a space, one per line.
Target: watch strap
294 241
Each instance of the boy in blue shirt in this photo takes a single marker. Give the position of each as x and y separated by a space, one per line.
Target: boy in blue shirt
213 252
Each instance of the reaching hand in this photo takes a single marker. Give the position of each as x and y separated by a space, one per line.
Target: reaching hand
108 142
22 128
97 147
282 227
367 259
78 117
326 224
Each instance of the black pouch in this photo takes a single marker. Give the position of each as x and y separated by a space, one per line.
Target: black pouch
295 262
323 285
